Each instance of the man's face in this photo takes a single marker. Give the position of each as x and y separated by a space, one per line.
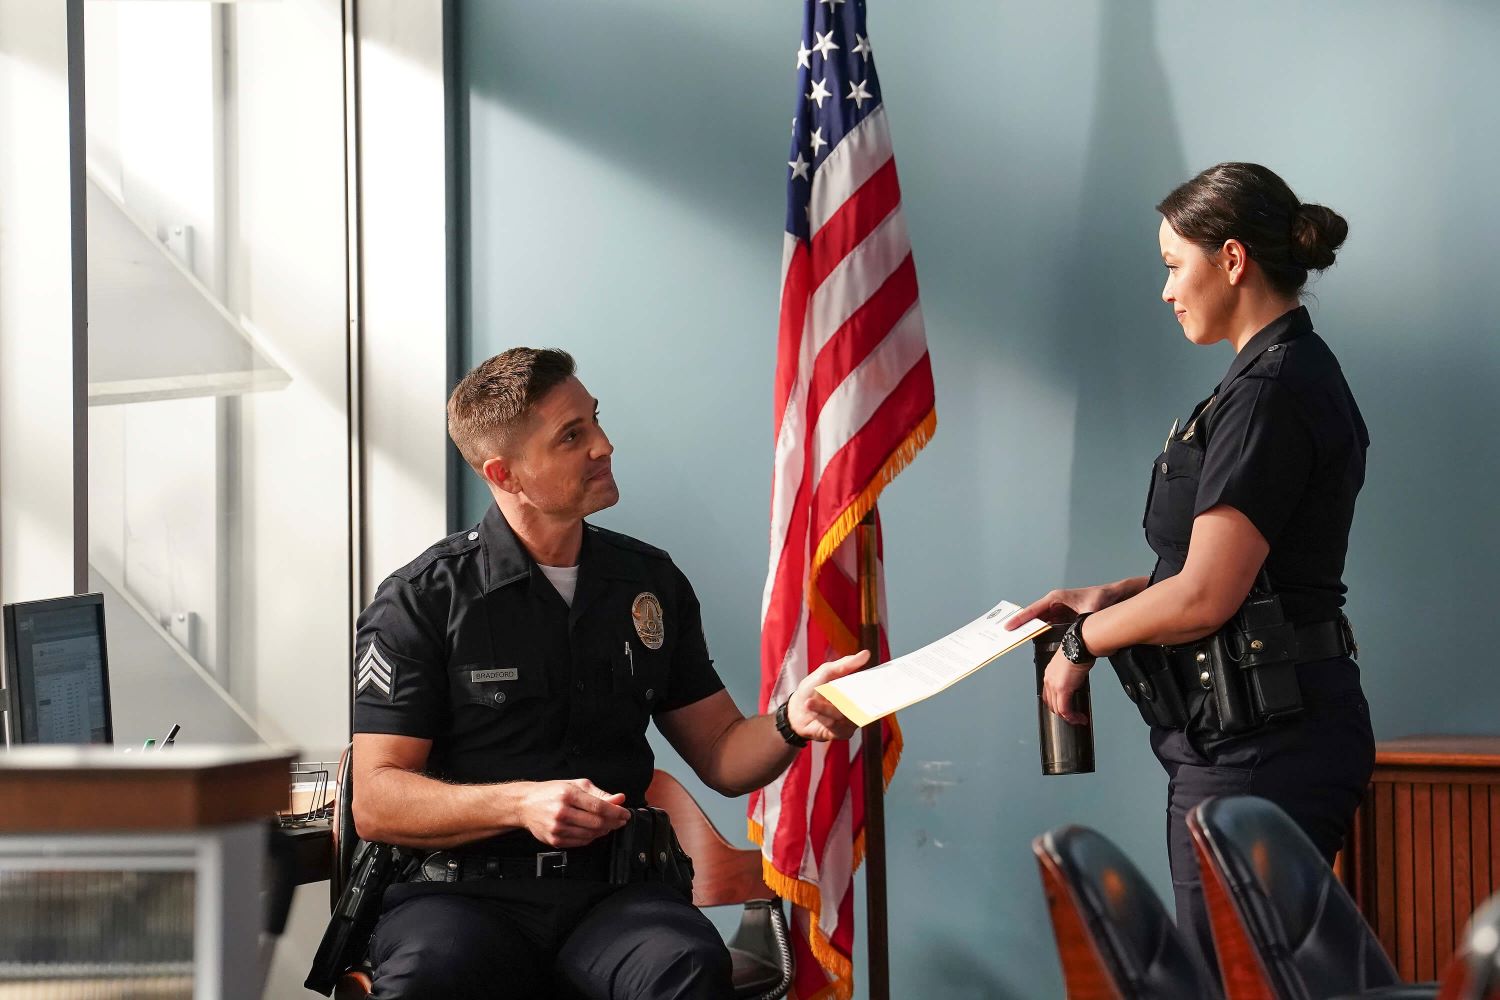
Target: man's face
561 460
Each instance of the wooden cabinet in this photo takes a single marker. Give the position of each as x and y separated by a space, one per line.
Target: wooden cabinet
1425 848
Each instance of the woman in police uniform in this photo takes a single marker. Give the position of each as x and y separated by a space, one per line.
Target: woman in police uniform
1262 475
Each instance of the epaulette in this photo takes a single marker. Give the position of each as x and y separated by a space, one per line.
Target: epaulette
454 545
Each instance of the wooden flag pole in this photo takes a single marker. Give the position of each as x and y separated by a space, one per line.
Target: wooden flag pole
873 747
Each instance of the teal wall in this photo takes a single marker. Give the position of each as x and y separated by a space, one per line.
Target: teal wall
621 168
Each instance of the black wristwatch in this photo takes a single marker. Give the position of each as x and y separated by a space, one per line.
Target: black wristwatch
784 727
1074 649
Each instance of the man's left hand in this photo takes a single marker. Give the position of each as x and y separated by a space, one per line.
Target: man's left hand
811 715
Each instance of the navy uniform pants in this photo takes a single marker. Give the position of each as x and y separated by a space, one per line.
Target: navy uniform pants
546 939
1316 767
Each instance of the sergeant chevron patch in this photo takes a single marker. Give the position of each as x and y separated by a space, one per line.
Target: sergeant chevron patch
374 672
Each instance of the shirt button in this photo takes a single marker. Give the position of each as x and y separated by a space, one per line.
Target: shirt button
650 693
1164 468
576 750
499 698
579 685
473 535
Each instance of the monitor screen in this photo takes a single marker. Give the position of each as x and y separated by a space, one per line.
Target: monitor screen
57 672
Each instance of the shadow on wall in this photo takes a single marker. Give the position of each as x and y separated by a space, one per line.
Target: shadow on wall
711 69
1135 371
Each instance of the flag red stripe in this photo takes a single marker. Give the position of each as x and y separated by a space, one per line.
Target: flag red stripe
784 609
861 333
790 841
855 339
795 296
857 463
865 209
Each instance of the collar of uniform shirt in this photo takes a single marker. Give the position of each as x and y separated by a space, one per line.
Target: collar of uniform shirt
507 561
1288 326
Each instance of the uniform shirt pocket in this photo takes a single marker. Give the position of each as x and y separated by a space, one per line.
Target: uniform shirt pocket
1174 492
640 673
499 687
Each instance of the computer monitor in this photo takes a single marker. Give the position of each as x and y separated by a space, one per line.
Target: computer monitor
57 672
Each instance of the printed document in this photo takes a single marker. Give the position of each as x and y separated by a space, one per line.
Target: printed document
877 692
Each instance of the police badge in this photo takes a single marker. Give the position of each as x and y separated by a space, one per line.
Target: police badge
646 610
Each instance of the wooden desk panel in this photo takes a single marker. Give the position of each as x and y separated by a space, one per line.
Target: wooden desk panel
46 789
1425 848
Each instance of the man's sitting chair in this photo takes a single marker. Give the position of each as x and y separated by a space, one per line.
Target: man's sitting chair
724 875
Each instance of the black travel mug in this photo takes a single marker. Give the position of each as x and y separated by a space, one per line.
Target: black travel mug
1066 748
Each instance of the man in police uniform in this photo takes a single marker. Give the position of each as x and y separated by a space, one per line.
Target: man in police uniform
504 680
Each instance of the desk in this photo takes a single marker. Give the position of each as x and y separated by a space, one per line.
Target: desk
1425 848
89 831
312 847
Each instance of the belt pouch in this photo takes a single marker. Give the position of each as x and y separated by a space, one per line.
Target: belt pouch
1149 682
1231 687
622 852
1267 648
677 869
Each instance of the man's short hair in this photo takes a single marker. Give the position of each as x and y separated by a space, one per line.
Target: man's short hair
493 401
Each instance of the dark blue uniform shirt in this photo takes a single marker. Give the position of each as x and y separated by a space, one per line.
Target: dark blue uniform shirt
471 646
1282 441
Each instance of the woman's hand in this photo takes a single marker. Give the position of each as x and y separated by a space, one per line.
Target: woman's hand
1061 680
1058 606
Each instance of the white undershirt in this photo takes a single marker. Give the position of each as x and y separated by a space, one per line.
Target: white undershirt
564 578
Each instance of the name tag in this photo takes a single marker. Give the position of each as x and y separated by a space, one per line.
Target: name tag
507 674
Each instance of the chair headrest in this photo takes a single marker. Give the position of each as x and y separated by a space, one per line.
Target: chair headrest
1260 845
1125 913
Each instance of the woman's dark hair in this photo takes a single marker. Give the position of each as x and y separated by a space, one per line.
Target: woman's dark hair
1249 203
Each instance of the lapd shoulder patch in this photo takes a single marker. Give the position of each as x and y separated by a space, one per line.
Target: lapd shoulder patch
374 673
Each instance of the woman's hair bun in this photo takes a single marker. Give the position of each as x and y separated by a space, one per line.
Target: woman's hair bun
1317 233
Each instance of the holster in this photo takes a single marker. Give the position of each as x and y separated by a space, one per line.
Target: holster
348 935
646 850
1253 660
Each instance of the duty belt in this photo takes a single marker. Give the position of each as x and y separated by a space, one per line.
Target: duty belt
1317 641
450 866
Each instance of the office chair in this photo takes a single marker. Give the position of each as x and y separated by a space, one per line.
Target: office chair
1114 937
1283 926
760 949
725 875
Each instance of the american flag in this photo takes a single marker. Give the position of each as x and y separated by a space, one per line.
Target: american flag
853 405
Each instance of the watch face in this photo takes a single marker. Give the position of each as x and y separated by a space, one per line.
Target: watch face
1071 647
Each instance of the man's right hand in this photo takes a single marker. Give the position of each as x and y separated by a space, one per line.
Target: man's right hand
571 813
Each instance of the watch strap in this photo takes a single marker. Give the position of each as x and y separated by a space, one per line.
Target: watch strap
1073 642
784 727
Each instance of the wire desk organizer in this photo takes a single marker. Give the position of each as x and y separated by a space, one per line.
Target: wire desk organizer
312 793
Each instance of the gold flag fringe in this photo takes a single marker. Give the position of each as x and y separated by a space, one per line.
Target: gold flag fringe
849 519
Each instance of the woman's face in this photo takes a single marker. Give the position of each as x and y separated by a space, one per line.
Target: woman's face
1198 289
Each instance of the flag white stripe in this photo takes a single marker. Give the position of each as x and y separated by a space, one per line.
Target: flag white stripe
858 276
847 287
858 397
810 862
787 463
837 865
863 150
